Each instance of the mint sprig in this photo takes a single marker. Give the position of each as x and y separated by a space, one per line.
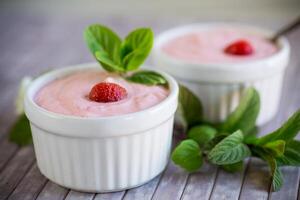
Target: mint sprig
147 77
227 144
190 110
244 116
188 155
122 56
291 155
114 55
230 150
20 132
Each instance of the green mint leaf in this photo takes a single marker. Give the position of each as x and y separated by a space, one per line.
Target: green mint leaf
250 139
277 179
136 48
276 147
189 108
105 46
244 116
235 167
20 132
230 150
147 78
21 93
202 134
212 143
106 62
188 155
291 156
286 132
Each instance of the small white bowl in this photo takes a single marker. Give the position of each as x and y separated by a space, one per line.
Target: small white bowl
101 154
220 85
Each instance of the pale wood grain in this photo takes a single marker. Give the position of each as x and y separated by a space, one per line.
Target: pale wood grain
110 196
290 187
201 183
224 189
30 186
7 151
52 191
172 183
257 181
74 195
144 192
15 170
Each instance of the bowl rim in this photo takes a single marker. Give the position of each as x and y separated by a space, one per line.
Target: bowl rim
50 76
282 43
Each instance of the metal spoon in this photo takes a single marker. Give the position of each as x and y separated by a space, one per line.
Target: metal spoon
286 29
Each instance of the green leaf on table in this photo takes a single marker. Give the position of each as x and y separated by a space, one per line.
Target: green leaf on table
286 132
19 103
230 150
277 180
189 107
105 46
136 48
147 78
202 134
212 143
244 116
188 155
276 147
20 132
291 156
235 167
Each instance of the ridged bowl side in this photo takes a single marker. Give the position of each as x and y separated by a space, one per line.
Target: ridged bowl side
103 164
220 99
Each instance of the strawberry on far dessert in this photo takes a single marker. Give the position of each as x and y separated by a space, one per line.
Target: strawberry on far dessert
107 92
240 47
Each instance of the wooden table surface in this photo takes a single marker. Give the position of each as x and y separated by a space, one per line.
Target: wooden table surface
31 45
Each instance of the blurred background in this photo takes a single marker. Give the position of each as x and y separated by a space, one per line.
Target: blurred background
36 35
266 10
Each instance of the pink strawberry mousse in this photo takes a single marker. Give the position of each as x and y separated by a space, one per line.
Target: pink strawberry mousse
69 95
207 46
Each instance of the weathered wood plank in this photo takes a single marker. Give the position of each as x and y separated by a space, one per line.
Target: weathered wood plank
289 189
15 170
144 192
110 196
172 183
201 183
74 195
30 186
228 185
52 191
257 181
7 151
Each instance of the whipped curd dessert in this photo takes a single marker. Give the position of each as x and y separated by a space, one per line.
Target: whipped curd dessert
209 46
218 61
69 95
89 140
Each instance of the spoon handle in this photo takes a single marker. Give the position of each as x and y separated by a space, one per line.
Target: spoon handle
286 29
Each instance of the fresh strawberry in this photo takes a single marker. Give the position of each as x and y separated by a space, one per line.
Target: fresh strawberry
240 47
107 92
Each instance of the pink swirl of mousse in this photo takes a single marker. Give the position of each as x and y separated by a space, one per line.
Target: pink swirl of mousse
207 46
69 95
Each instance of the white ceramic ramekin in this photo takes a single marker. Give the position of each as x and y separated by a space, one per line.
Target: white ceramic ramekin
220 86
101 154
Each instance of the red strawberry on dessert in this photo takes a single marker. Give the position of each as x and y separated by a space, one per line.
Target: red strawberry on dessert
240 47
107 92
